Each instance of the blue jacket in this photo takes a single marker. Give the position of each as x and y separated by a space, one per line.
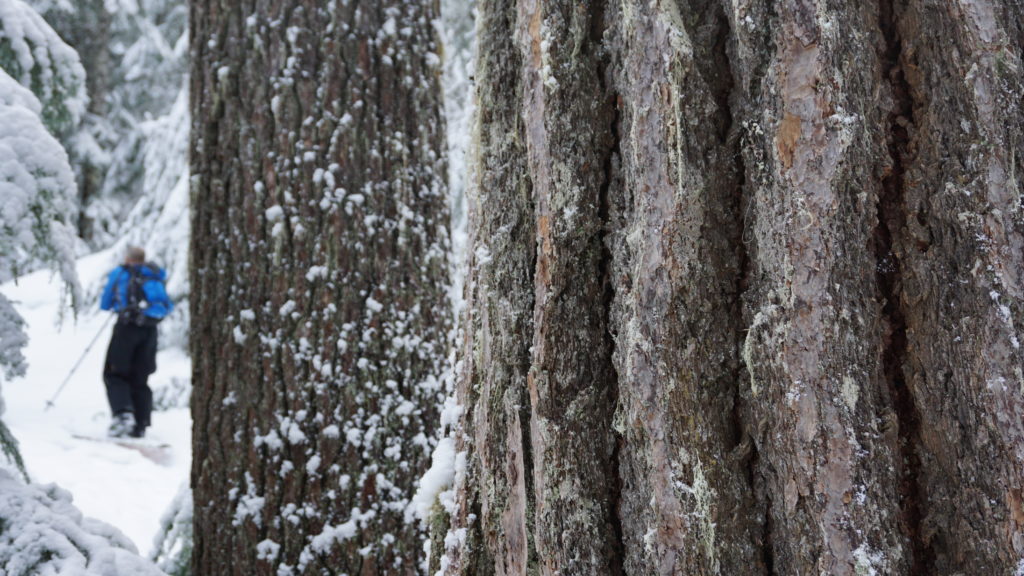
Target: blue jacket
115 295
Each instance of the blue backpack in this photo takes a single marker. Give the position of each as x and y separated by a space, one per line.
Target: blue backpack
134 311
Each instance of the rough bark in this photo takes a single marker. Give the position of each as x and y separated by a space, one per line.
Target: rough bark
819 396
499 305
540 394
679 266
773 250
319 266
959 243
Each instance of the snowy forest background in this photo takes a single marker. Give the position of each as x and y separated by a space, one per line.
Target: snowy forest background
94 136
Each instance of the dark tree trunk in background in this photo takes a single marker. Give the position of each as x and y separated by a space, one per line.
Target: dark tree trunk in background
92 41
746 290
319 268
87 29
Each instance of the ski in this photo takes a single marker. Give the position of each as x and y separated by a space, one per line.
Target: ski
157 452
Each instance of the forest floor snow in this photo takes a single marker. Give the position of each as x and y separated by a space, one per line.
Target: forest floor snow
108 482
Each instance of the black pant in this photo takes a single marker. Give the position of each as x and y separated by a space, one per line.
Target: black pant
131 358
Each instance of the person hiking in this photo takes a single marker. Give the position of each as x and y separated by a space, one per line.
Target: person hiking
135 291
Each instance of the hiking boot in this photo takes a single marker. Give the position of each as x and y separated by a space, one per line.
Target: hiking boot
138 431
122 425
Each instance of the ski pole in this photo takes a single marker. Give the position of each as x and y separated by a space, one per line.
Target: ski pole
49 403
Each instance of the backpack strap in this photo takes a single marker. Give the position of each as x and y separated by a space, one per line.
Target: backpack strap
132 312
119 298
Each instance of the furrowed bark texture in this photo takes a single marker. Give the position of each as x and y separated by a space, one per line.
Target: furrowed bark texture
678 262
544 466
492 509
818 396
960 246
319 262
745 291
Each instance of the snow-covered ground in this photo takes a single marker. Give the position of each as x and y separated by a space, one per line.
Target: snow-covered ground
108 482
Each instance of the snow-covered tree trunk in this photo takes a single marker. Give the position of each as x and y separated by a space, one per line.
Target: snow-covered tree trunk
319 274
746 290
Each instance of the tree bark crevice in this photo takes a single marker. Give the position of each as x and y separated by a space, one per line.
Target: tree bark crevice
891 232
610 187
729 99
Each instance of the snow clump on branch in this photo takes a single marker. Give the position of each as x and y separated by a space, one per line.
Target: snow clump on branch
45 535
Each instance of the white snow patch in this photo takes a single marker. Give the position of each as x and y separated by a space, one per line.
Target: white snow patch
267 550
869 562
274 214
436 479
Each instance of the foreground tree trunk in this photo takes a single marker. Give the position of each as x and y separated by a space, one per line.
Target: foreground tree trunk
746 290
319 269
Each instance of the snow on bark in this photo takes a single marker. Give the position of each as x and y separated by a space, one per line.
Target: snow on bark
320 311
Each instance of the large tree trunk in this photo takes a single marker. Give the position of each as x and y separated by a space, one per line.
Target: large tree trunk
319 266
746 290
